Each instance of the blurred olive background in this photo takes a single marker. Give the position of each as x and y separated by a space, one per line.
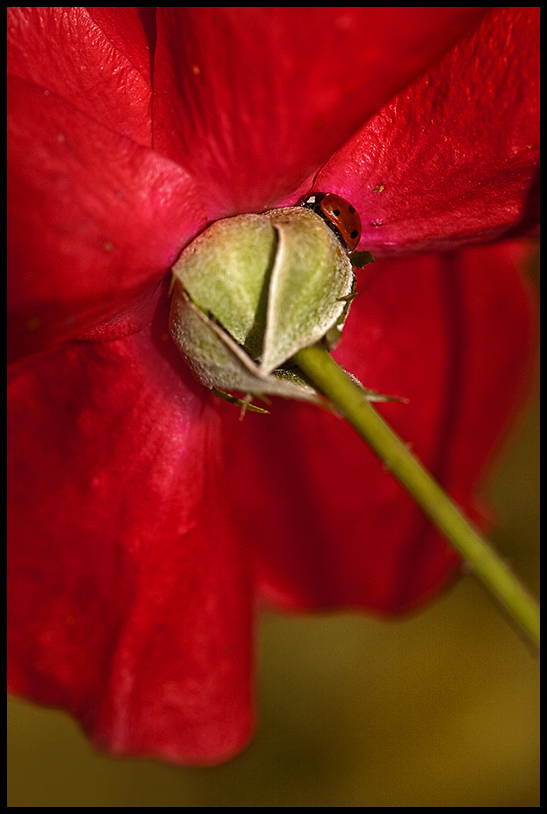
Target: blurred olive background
439 709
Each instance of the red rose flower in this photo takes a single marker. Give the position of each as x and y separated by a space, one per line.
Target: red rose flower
145 519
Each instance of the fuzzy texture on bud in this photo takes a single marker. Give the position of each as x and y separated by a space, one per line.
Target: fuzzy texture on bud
253 290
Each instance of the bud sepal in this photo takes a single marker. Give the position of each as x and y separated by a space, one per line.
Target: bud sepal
253 290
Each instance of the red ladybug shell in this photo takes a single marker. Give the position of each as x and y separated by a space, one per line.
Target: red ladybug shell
339 213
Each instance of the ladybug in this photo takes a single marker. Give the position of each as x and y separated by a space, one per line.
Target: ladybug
339 214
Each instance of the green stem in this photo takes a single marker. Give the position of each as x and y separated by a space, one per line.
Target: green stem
349 400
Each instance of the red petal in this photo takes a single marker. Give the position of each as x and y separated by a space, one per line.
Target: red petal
253 100
96 59
333 528
94 222
130 598
451 160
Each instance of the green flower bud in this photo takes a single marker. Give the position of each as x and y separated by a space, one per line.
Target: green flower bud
251 291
